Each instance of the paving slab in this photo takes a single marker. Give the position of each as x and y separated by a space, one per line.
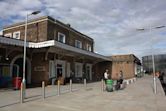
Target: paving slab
137 96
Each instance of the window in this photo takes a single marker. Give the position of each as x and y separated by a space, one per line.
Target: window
78 69
61 68
78 44
51 69
61 37
8 35
16 35
88 47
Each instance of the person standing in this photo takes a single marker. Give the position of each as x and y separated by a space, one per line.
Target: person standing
120 80
106 75
121 77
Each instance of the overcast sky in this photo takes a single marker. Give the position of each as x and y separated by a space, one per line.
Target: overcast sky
111 23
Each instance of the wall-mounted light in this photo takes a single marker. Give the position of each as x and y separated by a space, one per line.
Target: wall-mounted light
7 58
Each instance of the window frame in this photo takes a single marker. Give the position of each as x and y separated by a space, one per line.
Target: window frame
14 35
76 44
78 69
64 37
52 71
88 47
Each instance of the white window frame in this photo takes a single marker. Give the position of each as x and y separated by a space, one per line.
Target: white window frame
78 42
63 63
88 47
8 35
52 73
14 35
64 37
78 73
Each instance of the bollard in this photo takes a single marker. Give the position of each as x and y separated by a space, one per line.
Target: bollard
127 81
21 94
102 84
43 89
58 87
70 85
23 89
85 83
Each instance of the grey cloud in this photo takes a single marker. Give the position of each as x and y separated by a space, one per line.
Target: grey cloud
112 23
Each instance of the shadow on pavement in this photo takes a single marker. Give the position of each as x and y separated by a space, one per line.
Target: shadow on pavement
9 104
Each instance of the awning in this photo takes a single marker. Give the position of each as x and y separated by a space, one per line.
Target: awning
51 43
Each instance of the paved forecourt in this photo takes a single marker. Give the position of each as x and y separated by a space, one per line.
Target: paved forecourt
137 96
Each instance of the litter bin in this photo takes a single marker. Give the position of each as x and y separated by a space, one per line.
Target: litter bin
17 82
109 85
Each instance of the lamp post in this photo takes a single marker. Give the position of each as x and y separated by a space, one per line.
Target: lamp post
24 57
153 62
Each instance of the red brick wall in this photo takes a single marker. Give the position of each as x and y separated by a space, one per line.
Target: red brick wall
70 36
47 30
36 32
100 68
125 63
38 76
127 69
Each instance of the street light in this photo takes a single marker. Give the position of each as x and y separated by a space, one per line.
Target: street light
153 63
24 58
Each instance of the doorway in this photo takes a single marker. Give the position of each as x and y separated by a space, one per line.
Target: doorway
18 60
60 68
89 72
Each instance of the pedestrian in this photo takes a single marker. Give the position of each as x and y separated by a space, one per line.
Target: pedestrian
164 78
120 80
157 74
121 77
161 77
106 75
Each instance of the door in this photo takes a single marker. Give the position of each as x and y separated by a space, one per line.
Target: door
78 69
89 71
60 68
